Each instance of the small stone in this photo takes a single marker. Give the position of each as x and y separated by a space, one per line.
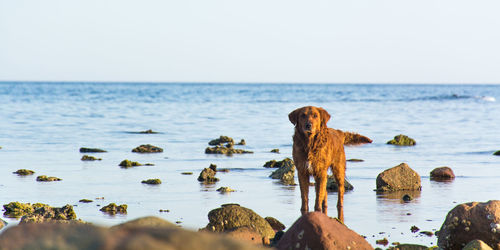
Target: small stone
406 198
147 148
113 209
187 173
90 158
242 142
152 181
45 178
85 201
402 140
129 164
276 150
356 160
414 229
92 150
149 131
24 172
383 241
225 190
428 233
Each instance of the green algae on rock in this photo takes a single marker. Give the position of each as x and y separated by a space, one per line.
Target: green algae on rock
278 164
207 175
128 164
221 140
152 181
276 150
90 158
402 140
226 150
17 209
64 214
147 148
45 178
92 150
285 172
113 209
24 172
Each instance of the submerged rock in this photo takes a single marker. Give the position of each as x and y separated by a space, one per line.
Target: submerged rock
221 140
400 177
332 185
497 153
45 178
285 172
356 160
242 142
152 181
208 175
92 150
85 201
129 164
471 221
149 131
315 230
225 190
113 209
352 138
226 150
402 140
276 150
24 172
90 158
147 148
442 173
231 216
17 209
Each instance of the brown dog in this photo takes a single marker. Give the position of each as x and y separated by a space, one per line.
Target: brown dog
315 149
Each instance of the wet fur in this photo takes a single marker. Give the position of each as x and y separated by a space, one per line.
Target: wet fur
314 152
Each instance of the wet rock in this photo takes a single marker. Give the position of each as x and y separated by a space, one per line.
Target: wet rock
85 201
208 175
402 140
407 198
45 178
442 173
401 177
152 181
187 173
221 140
242 142
92 150
276 150
477 245
409 247
148 148
113 209
226 150
285 172
149 131
471 221
129 164
351 138
275 224
355 160
278 164
225 190
427 233
383 241
231 216
90 158
44 214
24 172
315 230
149 234
414 229
17 209
497 153
213 167
332 186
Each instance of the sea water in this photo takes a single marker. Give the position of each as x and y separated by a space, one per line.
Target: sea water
43 125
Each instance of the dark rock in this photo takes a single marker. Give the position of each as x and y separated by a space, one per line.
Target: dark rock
242 142
315 230
85 201
285 172
221 140
113 209
92 150
90 158
278 164
225 190
18 209
24 172
477 245
213 167
226 150
383 241
471 221
351 138
497 153
275 224
276 150
149 131
64 214
401 177
232 216
428 233
45 178
332 185
402 140
149 234
187 173
414 229
152 181
149 221
129 164
407 198
207 175
356 160
442 173
148 148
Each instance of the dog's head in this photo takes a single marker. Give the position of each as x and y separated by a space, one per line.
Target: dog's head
309 120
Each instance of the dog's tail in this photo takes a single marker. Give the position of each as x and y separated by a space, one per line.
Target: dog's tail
352 138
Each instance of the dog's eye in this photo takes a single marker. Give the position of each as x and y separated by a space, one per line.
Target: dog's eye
315 115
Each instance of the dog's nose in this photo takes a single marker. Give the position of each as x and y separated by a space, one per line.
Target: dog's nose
308 125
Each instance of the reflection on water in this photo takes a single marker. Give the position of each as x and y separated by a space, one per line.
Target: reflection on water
398 196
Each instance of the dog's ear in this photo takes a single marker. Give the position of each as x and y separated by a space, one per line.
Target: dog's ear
294 116
325 117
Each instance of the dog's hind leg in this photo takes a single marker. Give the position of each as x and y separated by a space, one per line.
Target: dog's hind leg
340 201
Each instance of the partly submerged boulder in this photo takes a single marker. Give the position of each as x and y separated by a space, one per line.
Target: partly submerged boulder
400 177
226 150
23 172
207 175
128 164
285 173
64 214
317 231
471 221
44 178
278 164
147 148
113 209
231 216
90 158
332 185
442 173
402 140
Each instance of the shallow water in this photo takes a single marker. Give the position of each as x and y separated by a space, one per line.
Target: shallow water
44 124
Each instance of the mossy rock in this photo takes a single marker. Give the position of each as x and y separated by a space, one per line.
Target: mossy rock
24 172
285 172
44 178
17 209
92 150
207 175
402 140
332 186
152 181
497 153
276 150
64 214
147 148
221 140
226 150
278 164
233 216
129 164
90 158
113 209
242 142
225 190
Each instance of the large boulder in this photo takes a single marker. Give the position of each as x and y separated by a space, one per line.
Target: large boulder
471 221
317 231
400 177
231 216
139 234
285 173
442 173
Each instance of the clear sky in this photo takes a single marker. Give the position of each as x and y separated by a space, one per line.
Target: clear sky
349 41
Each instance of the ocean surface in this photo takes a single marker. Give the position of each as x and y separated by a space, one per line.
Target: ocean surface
43 125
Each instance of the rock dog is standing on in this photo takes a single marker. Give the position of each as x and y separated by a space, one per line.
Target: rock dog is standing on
315 149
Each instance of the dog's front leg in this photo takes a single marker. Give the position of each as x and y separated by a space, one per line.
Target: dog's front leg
304 190
320 204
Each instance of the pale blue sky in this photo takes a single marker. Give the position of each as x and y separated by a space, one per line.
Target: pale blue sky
351 41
